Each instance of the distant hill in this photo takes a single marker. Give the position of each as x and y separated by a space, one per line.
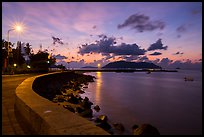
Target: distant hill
125 64
89 67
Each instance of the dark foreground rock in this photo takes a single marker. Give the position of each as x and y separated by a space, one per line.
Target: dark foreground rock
145 129
119 127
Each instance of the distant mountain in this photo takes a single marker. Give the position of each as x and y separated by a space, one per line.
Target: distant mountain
89 67
125 64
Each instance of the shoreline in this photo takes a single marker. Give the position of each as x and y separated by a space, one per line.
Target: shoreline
67 95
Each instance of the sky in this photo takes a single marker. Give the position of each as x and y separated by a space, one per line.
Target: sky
80 34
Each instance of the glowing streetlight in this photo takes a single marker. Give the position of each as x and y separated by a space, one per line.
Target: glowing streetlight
18 28
99 65
14 64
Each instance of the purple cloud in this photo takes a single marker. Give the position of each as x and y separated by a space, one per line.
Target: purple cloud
106 45
181 29
141 23
60 57
178 53
157 46
57 40
156 53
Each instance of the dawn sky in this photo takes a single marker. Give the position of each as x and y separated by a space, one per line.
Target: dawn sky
99 32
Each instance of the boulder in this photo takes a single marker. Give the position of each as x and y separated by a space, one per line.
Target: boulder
104 125
119 126
73 99
79 110
87 113
146 129
97 108
70 108
86 103
101 118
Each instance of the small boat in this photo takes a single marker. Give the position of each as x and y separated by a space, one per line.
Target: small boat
188 79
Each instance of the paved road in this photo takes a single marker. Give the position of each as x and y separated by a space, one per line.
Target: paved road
10 126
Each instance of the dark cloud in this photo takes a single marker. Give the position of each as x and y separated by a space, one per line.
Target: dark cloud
178 53
188 64
60 57
94 27
156 53
156 61
178 36
57 40
130 58
144 58
164 62
196 11
106 45
181 29
157 46
141 23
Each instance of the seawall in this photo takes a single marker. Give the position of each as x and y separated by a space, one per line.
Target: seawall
39 116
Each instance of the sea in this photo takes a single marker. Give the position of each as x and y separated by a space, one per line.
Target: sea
163 99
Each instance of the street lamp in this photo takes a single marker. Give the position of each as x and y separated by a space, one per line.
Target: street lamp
99 65
17 28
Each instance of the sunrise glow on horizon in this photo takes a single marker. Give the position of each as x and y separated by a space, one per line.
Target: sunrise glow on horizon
98 33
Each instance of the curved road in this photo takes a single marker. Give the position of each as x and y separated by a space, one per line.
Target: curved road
10 126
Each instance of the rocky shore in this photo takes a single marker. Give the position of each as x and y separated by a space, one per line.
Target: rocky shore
67 94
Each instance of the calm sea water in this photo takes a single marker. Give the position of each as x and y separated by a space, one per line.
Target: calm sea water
163 99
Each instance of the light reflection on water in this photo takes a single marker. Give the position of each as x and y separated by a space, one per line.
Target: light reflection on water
162 99
98 86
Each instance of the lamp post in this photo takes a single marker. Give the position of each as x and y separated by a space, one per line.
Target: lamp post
17 28
8 49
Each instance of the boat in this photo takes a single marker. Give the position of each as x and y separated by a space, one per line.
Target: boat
188 79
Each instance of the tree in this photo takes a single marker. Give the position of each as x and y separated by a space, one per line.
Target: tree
40 61
17 55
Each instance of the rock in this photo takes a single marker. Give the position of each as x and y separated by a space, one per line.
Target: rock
86 113
97 108
146 129
73 99
104 125
119 126
134 127
70 108
80 91
79 110
58 98
101 118
86 103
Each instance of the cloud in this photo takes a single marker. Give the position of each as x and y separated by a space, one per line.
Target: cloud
107 45
181 30
156 61
156 53
94 27
130 58
60 57
57 40
165 62
157 46
144 59
178 53
141 23
188 64
196 11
